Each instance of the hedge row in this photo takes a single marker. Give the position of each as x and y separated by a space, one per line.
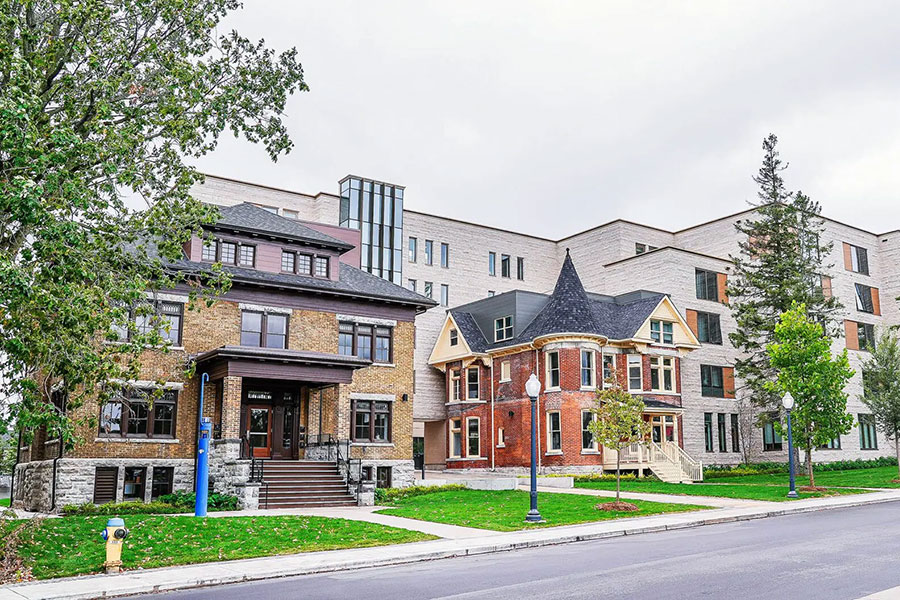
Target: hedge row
389 495
767 468
179 502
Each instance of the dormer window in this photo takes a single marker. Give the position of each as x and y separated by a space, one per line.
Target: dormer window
210 250
302 264
503 328
247 256
321 266
661 332
288 261
229 253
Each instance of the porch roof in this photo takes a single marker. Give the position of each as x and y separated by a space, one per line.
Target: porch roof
272 363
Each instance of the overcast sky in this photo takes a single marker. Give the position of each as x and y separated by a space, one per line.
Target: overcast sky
551 117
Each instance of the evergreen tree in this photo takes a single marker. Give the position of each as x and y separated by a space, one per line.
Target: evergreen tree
782 260
881 386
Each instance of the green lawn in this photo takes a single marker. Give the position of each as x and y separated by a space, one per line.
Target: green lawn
722 490
72 545
875 477
505 510
4 501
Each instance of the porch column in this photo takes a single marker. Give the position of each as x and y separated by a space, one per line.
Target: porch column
231 407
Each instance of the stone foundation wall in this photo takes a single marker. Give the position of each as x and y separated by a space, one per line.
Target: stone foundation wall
230 474
75 480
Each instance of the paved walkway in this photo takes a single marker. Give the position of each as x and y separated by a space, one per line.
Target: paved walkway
188 576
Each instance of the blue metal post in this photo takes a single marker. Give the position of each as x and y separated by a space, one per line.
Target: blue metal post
203 436
793 492
533 515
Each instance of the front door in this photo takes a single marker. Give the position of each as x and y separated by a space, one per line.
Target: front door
259 430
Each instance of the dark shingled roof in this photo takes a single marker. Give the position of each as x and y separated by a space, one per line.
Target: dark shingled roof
251 218
569 309
351 282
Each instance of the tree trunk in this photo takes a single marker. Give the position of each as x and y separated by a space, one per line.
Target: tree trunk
809 468
618 462
897 447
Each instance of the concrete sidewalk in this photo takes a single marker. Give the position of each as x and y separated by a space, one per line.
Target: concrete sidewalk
189 576
713 501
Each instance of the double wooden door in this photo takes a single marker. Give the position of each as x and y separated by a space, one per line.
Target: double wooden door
272 423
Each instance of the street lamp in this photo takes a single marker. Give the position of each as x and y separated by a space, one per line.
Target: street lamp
533 388
788 403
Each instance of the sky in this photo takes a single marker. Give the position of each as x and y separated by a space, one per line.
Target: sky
552 117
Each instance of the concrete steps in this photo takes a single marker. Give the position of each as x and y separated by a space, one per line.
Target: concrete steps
303 484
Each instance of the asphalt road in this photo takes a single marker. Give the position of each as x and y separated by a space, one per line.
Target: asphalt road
837 554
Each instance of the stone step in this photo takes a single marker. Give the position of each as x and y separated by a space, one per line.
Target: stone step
307 504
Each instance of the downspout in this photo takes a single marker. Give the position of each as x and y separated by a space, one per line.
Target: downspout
493 444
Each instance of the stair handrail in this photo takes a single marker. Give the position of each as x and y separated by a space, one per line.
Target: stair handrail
690 468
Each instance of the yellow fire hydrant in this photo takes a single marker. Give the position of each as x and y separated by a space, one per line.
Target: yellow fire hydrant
114 534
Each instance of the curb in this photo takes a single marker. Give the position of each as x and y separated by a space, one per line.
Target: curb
118 586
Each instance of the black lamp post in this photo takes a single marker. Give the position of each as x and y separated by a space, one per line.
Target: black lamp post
788 403
533 388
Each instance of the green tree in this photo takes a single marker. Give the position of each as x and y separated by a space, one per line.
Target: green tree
881 385
102 101
781 261
801 356
618 423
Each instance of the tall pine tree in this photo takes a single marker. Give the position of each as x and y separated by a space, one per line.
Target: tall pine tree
782 260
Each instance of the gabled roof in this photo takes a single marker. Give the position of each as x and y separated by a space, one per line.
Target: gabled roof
569 309
252 219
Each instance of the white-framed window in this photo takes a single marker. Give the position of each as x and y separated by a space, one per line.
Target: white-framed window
455 438
609 369
505 371
552 366
554 432
588 371
455 386
662 373
473 437
588 443
454 337
473 383
661 332
501 438
503 328
635 373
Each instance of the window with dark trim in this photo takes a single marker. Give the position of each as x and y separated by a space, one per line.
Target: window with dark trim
492 263
371 421
723 440
473 437
413 249
429 252
445 255
304 264
247 255
868 437
473 383
445 294
864 299
832 444
712 383
709 329
383 477
503 328
163 478
167 317
264 330
707 283
134 415
735 434
321 263
504 265
288 261
520 268
708 431
771 438
866 336
859 259
134 483
370 342
587 438
454 337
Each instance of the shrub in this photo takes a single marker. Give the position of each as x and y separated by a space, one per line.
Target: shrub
612 477
119 508
185 501
389 495
768 468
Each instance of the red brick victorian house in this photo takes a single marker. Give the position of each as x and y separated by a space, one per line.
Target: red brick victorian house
574 341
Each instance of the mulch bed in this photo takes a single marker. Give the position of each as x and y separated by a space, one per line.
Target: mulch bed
895 480
810 488
617 506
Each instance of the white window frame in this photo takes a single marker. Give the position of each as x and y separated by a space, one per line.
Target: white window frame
613 374
658 363
550 449
477 382
469 436
505 371
455 433
635 360
548 370
455 391
501 438
594 448
506 329
660 332
593 369
454 337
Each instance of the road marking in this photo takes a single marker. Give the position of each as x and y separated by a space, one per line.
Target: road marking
890 594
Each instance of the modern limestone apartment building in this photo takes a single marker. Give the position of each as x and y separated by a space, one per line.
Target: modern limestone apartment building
457 262
310 381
